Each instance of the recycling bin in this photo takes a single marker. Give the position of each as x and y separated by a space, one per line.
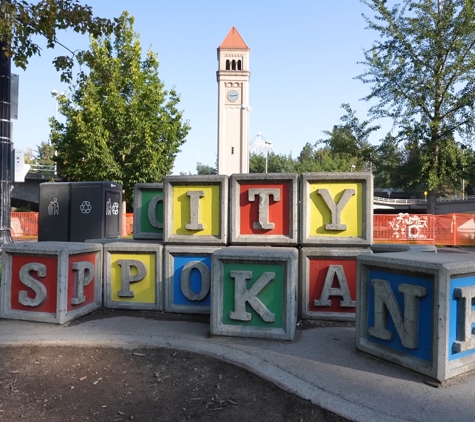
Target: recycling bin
77 211
53 223
95 211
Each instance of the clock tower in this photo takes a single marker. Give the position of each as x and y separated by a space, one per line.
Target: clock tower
233 104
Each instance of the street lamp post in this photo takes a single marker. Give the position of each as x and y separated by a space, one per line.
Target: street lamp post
268 143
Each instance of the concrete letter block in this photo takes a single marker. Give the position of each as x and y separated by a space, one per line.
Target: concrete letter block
264 209
328 283
415 309
51 281
254 292
188 278
133 276
148 211
196 209
336 209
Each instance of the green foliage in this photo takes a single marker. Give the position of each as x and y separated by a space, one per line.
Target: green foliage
44 155
21 21
121 125
349 140
205 169
421 71
276 163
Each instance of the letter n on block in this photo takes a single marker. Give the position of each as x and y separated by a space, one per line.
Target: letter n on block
264 209
336 209
148 211
51 281
328 283
196 209
133 275
187 280
253 292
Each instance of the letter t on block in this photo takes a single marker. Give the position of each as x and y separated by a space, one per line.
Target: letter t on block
264 195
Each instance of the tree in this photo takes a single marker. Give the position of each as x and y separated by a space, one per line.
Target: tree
205 169
121 125
21 20
44 155
421 72
350 140
276 163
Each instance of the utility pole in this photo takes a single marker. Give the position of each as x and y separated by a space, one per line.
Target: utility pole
6 147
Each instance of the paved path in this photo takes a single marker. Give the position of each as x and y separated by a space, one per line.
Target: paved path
321 365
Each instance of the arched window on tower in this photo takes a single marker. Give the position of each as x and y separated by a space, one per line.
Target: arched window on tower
239 65
233 65
227 65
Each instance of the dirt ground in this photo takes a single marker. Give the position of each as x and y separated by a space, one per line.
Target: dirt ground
45 383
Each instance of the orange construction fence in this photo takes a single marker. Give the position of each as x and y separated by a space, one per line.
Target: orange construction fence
445 229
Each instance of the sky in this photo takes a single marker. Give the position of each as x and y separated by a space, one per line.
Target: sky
303 60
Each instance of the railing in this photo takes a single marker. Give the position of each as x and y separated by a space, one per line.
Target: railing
445 229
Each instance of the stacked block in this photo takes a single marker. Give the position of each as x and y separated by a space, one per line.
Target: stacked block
51 281
148 211
196 210
417 310
328 277
187 278
336 209
264 209
133 276
254 292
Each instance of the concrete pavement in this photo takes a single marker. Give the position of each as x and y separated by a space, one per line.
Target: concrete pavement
322 365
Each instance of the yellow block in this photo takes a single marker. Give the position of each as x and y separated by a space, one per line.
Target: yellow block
144 290
209 210
351 215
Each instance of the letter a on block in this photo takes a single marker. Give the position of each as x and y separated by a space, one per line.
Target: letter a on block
336 209
195 196
38 287
407 325
127 277
465 319
242 295
328 290
83 275
264 194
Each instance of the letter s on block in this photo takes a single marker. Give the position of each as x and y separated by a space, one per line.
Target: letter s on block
37 286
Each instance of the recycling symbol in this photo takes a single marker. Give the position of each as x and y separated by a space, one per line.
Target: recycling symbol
85 207
115 208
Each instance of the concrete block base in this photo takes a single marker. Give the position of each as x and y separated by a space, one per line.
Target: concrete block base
50 281
416 310
254 292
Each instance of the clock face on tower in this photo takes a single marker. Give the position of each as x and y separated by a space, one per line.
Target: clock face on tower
233 96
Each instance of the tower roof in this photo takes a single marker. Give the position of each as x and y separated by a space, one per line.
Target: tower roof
234 40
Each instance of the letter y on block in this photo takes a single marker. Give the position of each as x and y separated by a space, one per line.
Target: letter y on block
336 209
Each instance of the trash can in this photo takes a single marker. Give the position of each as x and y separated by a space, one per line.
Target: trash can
77 211
53 224
95 211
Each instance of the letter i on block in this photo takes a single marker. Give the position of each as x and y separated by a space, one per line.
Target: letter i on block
187 280
196 209
148 211
264 209
336 209
133 275
254 292
328 283
51 281
417 310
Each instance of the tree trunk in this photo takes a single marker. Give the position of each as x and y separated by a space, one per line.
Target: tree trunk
431 197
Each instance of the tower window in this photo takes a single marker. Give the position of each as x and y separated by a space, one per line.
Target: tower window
233 65
239 64
227 65
232 150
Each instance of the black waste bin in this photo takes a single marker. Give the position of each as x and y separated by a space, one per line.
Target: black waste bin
95 211
77 211
54 212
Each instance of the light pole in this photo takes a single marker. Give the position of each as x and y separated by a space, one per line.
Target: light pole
247 108
463 147
268 144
